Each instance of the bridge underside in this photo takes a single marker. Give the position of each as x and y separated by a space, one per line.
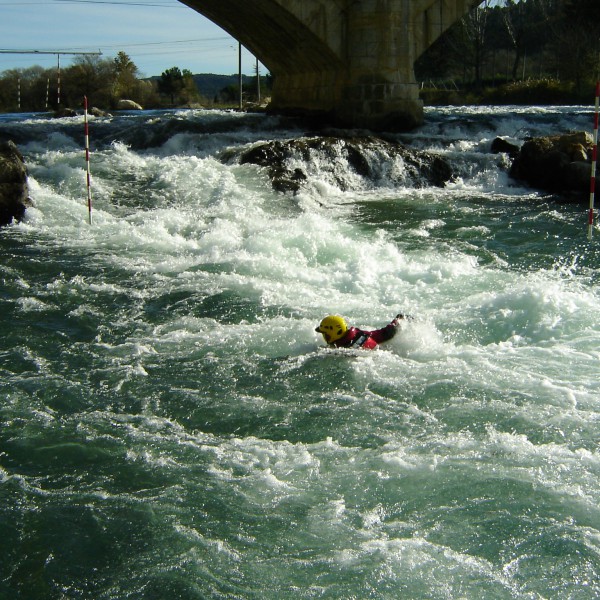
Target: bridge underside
346 60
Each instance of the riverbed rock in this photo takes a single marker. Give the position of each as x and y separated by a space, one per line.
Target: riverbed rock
557 164
98 112
501 145
337 159
125 104
65 112
14 192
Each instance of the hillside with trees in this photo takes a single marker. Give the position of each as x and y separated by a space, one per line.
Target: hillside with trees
504 51
106 81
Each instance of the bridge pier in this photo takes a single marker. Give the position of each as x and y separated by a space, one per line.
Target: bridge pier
372 85
381 91
370 101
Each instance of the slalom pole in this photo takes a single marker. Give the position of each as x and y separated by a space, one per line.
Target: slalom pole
58 84
594 160
87 157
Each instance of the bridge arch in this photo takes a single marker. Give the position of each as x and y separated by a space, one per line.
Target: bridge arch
349 60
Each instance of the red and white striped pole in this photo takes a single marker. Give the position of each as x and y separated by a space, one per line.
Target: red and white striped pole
594 160
87 157
58 84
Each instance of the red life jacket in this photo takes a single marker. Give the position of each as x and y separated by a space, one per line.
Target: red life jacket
357 338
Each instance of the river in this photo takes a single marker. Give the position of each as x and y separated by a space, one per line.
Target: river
172 427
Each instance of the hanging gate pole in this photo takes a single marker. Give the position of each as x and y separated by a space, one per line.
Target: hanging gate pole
87 157
594 160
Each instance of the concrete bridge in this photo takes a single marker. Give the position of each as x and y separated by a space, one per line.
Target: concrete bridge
350 61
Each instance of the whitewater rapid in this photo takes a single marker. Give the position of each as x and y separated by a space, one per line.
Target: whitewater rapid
173 427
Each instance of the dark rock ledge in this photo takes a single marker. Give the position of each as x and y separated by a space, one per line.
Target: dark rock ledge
14 191
558 164
358 153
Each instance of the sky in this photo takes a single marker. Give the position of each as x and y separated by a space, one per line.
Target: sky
155 34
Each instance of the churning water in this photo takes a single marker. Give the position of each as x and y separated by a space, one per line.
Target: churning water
173 428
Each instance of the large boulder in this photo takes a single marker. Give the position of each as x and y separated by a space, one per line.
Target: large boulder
503 146
98 112
289 162
125 104
557 164
65 112
14 192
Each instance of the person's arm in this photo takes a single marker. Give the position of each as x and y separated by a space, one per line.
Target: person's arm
389 331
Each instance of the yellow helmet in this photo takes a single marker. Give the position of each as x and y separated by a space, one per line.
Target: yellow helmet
333 328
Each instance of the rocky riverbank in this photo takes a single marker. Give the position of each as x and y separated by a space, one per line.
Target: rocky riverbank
557 164
14 191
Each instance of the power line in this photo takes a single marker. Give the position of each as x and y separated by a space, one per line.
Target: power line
81 49
114 2
198 40
55 52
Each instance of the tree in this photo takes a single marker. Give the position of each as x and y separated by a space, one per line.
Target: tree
125 77
474 25
8 88
190 92
517 33
179 86
171 82
103 81
517 25
32 83
462 49
578 41
89 76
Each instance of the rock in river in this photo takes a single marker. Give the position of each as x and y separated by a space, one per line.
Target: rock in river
14 192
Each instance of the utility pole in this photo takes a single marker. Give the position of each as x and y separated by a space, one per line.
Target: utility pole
56 53
257 83
240 74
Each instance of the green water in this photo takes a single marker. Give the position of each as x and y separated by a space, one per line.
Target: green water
171 425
